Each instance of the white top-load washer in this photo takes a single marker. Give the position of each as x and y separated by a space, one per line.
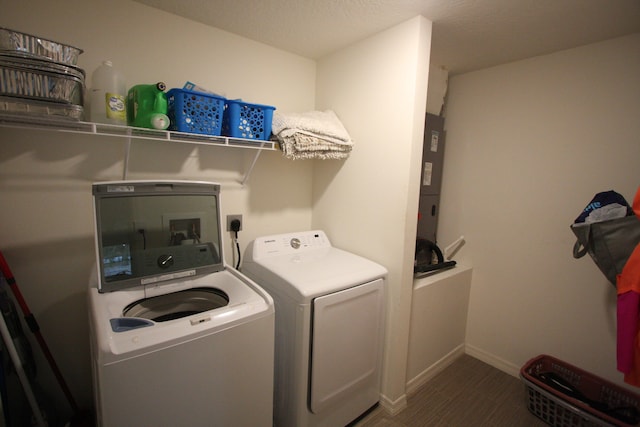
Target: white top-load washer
330 308
178 338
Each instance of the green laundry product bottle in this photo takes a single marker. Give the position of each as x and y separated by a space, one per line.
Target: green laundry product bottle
108 95
147 106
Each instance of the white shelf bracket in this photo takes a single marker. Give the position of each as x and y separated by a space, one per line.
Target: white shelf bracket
131 133
255 160
127 151
248 173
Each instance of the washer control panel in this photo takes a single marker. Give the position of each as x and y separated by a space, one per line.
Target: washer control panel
291 243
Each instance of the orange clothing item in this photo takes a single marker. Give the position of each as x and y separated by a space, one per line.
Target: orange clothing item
629 281
628 284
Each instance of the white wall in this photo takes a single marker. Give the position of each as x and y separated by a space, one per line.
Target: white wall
528 145
369 204
45 177
439 307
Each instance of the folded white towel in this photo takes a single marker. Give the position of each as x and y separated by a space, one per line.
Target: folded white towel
322 124
311 143
299 146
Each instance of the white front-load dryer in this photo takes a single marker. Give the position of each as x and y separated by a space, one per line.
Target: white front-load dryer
330 308
178 338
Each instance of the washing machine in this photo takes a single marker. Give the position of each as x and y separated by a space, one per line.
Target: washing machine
330 309
178 338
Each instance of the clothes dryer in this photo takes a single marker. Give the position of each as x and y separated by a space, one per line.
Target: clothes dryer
178 338
330 308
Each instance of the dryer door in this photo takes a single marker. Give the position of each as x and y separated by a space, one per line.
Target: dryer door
346 350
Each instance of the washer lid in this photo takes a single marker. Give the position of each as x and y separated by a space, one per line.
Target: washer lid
120 339
152 231
312 269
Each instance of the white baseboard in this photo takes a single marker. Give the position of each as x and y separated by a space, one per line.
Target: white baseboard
493 360
419 380
393 407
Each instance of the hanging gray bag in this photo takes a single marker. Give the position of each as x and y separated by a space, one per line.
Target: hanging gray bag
609 242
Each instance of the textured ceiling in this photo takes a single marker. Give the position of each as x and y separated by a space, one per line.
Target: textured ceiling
467 34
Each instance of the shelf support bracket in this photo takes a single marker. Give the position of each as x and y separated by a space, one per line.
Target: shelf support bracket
129 133
127 151
253 163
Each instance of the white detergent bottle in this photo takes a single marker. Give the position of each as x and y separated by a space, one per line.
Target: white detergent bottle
108 95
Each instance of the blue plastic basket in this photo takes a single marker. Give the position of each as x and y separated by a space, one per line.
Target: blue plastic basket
195 112
249 121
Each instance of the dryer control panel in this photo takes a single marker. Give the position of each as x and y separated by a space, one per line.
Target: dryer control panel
290 243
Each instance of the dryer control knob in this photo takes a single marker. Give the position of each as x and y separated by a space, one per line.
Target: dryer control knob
295 243
165 261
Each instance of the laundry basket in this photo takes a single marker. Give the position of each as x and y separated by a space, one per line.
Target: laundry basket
195 112
586 401
249 121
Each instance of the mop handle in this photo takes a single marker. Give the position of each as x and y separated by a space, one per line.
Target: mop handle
22 376
35 329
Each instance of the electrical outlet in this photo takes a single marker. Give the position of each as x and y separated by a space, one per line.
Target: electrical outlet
230 218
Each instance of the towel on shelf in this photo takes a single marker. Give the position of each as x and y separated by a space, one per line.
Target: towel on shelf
312 135
300 146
